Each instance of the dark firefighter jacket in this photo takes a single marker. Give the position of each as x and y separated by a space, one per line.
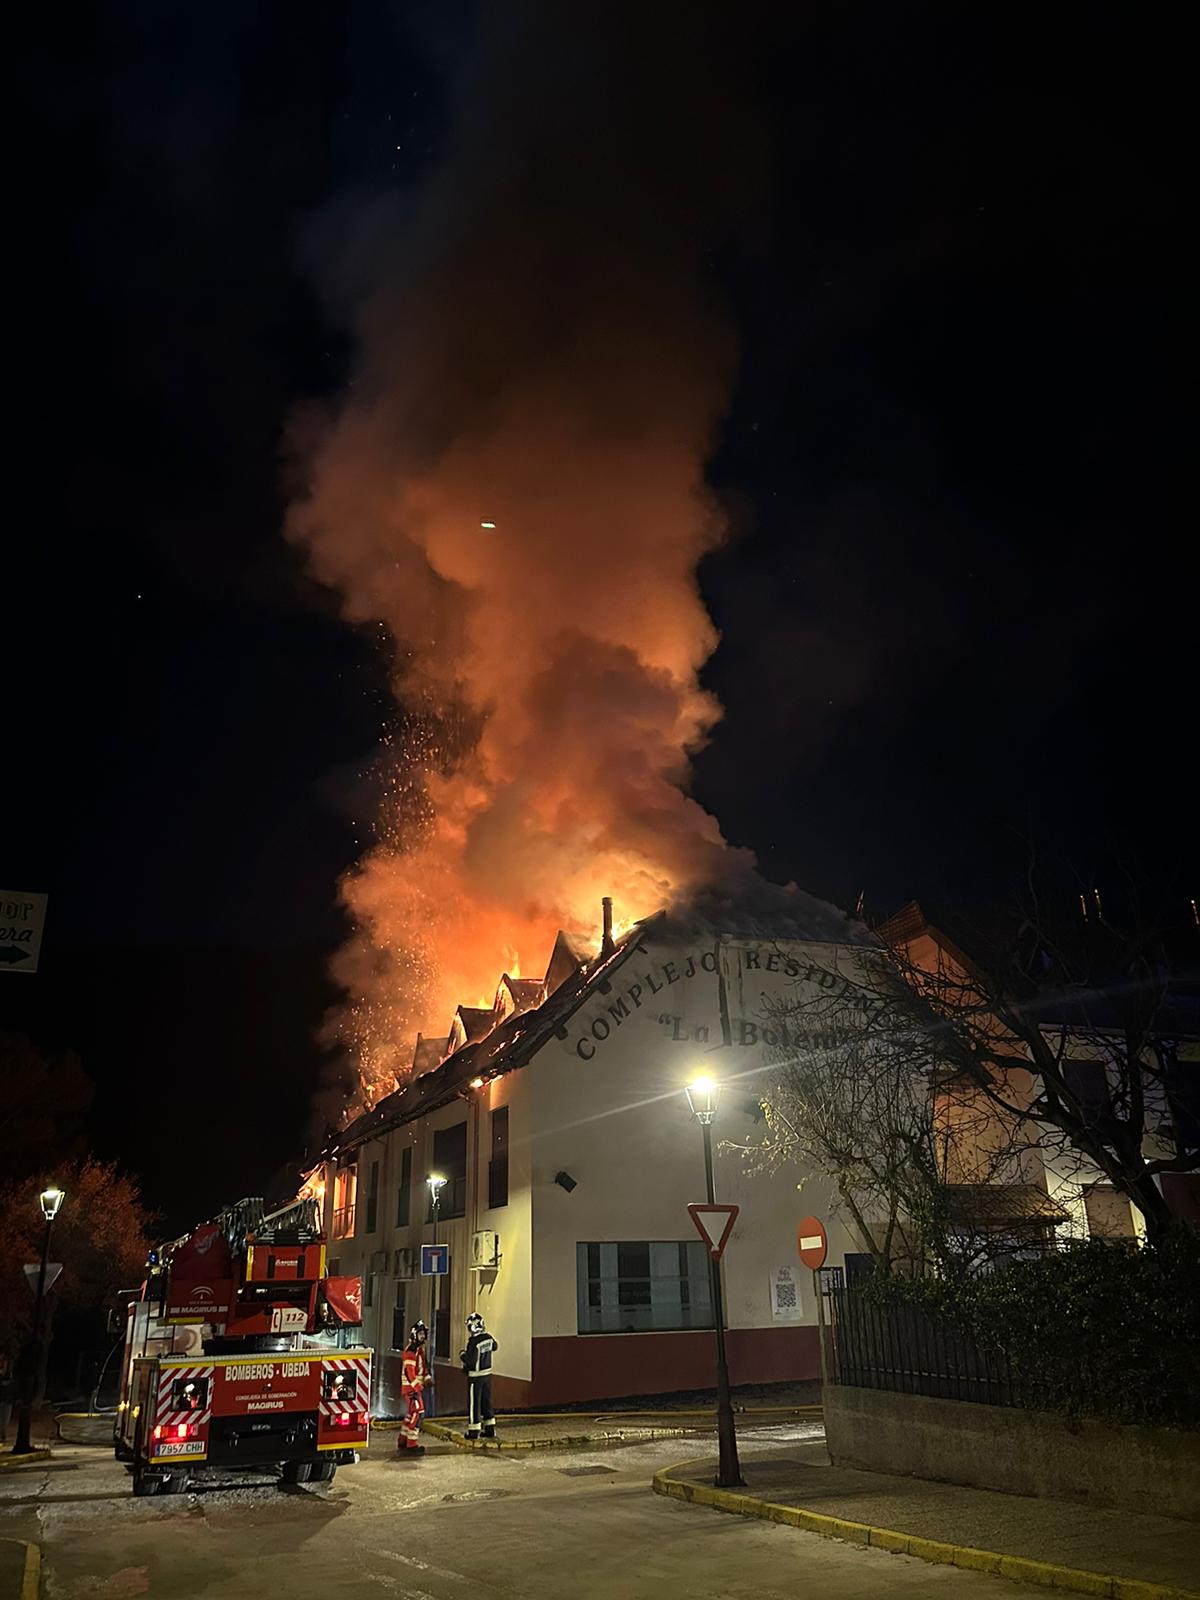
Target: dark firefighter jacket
477 1357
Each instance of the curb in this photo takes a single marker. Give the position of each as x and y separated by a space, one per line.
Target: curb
31 1577
1021 1568
804 1412
18 1463
562 1442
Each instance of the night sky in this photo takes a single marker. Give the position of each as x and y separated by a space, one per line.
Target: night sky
956 613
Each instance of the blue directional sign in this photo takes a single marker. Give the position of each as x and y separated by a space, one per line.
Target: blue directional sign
435 1260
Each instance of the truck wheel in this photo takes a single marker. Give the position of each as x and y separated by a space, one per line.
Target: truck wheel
143 1483
299 1471
323 1472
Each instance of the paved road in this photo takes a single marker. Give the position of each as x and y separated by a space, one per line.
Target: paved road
451 1527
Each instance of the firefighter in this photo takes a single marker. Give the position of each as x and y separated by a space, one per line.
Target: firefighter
477 1364
415 1377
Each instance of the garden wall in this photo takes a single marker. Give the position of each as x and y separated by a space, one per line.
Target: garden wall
1019 1452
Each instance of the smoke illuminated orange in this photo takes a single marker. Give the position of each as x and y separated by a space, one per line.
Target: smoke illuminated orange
514 487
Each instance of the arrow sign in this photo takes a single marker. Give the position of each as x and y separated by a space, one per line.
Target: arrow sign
22 918
53 1272
714 1224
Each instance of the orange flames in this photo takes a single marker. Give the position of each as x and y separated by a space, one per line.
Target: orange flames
514 487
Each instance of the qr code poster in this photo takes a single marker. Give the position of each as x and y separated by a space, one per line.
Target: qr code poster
785 1295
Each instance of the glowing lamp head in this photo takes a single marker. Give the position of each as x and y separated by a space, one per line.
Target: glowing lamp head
703 1097
477 1083
436 1184
50 1199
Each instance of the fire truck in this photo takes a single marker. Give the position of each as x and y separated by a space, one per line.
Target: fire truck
236 1355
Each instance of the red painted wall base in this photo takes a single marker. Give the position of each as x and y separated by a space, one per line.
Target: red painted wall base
508 1394
617 1366
609 1366
449 1396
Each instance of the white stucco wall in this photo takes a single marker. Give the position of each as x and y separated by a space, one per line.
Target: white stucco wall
504 1297
609 1108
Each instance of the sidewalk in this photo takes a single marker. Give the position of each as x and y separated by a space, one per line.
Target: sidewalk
572 1429
1051 1542
563 1433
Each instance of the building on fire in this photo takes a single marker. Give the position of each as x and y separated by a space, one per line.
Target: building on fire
559 1121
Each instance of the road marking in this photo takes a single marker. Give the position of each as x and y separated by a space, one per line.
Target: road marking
394 1583
424 1566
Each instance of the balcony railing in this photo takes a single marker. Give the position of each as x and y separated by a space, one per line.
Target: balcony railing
343 1222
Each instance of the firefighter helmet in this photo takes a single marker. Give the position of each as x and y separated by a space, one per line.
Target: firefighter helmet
418 1333
474 1323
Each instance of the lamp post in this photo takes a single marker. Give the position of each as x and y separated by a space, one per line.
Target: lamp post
703 1097
436 1184
50 1199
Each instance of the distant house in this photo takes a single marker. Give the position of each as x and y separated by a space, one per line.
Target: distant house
1064 1196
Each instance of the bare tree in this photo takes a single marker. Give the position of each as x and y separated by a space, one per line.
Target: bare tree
1072 1030
858 1094
1047 1046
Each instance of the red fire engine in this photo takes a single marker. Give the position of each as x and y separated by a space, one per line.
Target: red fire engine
233 1357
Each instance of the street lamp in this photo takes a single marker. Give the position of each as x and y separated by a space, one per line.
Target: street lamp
50 1200
703 1098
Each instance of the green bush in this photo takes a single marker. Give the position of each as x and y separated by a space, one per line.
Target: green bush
1095 1329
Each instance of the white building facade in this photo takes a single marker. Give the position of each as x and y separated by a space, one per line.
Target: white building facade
561 1126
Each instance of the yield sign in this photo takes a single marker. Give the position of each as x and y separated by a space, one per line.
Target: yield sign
33 1268
714 1224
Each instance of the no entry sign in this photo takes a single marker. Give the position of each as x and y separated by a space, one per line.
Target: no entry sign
812 1242
714 1224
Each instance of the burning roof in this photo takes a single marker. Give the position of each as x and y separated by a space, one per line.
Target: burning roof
486 1041
510 1042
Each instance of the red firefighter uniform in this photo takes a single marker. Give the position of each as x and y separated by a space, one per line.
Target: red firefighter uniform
414 1378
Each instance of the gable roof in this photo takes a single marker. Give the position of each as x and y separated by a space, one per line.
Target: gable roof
475 1021
517 994
565 961
523 990
428 1052
1099 1008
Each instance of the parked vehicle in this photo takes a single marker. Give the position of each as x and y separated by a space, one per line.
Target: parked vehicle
236 1356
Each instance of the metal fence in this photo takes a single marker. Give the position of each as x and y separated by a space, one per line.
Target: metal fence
910 1351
